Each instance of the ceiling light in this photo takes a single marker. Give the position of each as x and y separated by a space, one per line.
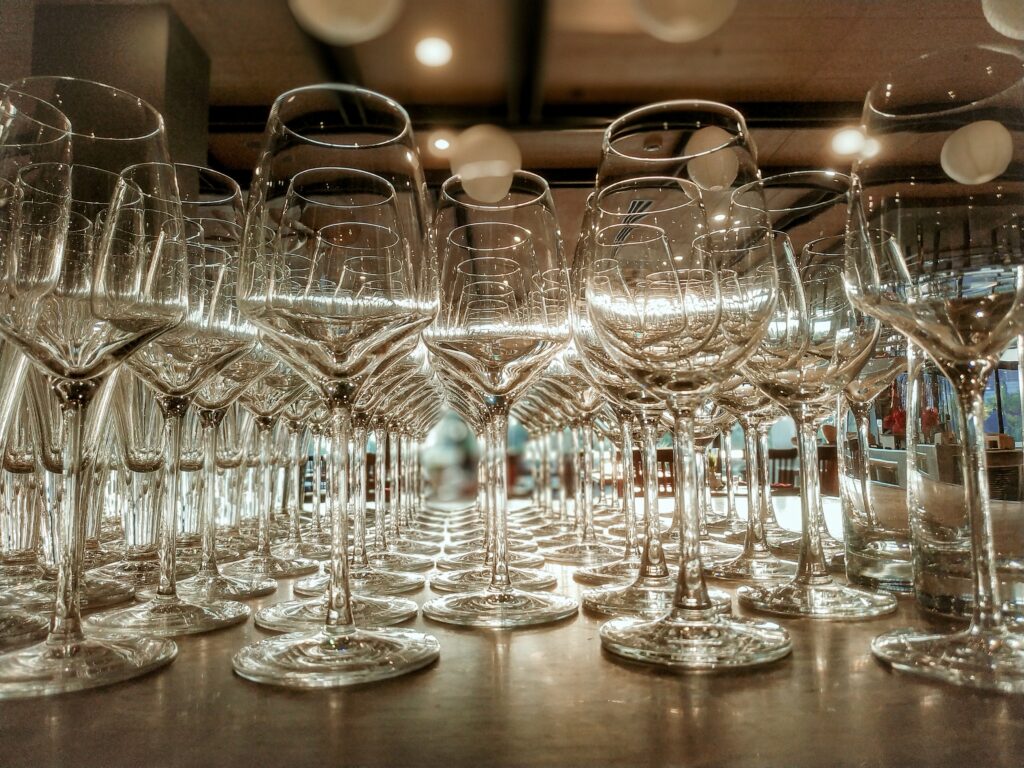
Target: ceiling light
433 51
441 144
346 23
848 141
871 147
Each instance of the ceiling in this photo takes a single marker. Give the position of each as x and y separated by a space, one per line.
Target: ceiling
556 71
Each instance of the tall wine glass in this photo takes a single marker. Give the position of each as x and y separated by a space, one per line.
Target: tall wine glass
504 315
31 131
806 206
175 365
346 277
817 344
951 279
93 308
676 315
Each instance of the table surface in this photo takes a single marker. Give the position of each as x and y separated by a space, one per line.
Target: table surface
541 696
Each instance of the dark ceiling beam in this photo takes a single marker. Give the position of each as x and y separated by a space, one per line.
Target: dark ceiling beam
528 25
759 114
336 64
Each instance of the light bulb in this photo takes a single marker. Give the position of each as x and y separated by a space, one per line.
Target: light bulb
1005 16
848 141
485 157
433 51
716 169
345 22
682 21
977 152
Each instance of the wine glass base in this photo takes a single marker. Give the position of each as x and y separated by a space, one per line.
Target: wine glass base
703 645
20 573
363 581
142 573
479 557
988 659
217 586
816 601
710 550
302 550
583 553
308 614
43 669
97 592
648 597
500 609
194 555
171 616
410 547
478 542
615 572
398 561
97 557
19 627
553 529
762 567
322 660
270 567
479 578
729 526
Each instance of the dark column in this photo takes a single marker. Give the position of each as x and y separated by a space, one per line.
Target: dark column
144 49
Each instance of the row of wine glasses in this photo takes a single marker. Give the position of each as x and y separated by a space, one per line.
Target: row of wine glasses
338 303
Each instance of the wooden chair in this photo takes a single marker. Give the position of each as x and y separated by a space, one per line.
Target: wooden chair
666 475
782 469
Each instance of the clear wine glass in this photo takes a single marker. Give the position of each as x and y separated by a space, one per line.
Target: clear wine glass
78 317
504 290
346 277
951 279
676 314
175 365
817 344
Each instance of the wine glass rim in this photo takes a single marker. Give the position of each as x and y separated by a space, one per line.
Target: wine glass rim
617 125
354 172
537 179
115 179
761 233
148 108
398 137
925 63
691 189
842 181
63 131
204 171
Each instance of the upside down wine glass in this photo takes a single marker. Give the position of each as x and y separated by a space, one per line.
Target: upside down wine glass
504 315
952 279
677 317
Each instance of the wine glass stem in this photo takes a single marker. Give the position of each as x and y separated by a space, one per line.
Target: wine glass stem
380 520
358 461
318 446
339 607
767 510
811 567
862 418
628 495
210 420
265 431
586 480
970 384
544 475
755 541
496 450
730 489
691 592
394 482
294 471
66 624
652 558
700 465
174 410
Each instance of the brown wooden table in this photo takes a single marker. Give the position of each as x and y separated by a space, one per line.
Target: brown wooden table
544 696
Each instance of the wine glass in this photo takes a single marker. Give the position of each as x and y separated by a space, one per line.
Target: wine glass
950 279
175 365
806 206
78 317
676 313
817 344
504 316
346 276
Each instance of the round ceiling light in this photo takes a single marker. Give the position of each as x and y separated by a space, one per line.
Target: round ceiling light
433 51
345 22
